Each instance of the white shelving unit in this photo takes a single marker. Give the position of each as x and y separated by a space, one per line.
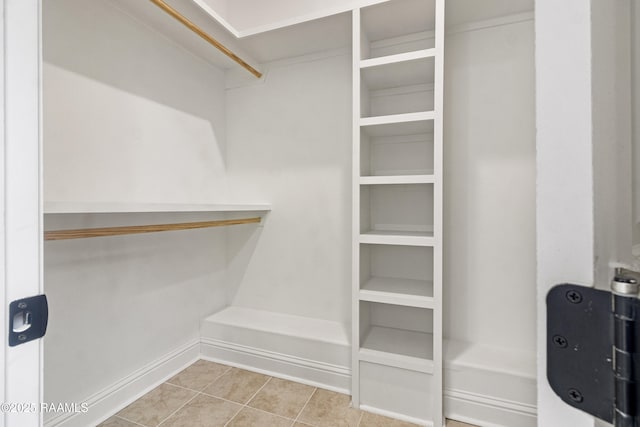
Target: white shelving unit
397 203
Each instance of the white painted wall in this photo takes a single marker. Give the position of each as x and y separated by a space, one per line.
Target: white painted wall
143 111
289 142
489 194
128 117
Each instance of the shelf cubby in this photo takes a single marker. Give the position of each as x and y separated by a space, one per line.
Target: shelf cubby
396 210
397 27
408 90
394 156
400 275
396 336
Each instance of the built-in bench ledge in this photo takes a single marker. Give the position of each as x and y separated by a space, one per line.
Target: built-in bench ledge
309 350
485 383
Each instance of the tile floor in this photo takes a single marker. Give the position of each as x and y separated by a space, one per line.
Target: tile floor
210 394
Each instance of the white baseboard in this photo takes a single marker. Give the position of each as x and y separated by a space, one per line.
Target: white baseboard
312 372
106 402
488 411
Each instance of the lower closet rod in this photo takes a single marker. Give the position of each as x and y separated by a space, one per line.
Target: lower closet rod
137 229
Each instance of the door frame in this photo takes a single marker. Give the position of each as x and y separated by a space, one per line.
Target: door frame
21 202
583 160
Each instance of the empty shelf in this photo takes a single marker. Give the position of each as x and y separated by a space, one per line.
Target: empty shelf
399 348
106 207
405 292
397 179
397 58
397 118
384 237
407 69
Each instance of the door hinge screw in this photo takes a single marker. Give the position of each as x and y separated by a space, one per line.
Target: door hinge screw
574 297
575 395
560 341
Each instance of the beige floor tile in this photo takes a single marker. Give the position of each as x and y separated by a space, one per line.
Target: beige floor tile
373 420
158 404
117 422
237 385
199 375
253 418
329 409
203 411
451 423
282 397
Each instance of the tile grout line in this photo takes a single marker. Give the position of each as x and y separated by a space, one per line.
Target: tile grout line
360 418
229 368
305 405
197 393
249 400
129 421
182 406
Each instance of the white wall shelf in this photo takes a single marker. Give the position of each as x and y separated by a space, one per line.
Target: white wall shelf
104 207
397 73
403 238
405 124
398 291
393 119
397 179
398 58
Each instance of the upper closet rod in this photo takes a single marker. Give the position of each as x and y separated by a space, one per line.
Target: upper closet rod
193 27
137 229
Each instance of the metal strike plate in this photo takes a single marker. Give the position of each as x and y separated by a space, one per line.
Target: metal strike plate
28 318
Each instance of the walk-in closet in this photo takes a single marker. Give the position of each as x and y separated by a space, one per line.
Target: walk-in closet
348 204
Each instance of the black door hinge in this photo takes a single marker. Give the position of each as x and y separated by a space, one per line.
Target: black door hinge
28 318
593 348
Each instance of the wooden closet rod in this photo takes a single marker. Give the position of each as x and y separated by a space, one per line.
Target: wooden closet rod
193 27
137 229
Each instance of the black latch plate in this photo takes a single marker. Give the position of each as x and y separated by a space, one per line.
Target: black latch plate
579 348
28 318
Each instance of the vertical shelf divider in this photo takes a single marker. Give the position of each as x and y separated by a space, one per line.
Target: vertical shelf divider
355 209
438 160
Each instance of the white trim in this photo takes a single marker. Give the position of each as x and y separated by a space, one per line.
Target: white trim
312 372
402 90
473 408
491 23
564 195
111 399
3 282
456 29
22 195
